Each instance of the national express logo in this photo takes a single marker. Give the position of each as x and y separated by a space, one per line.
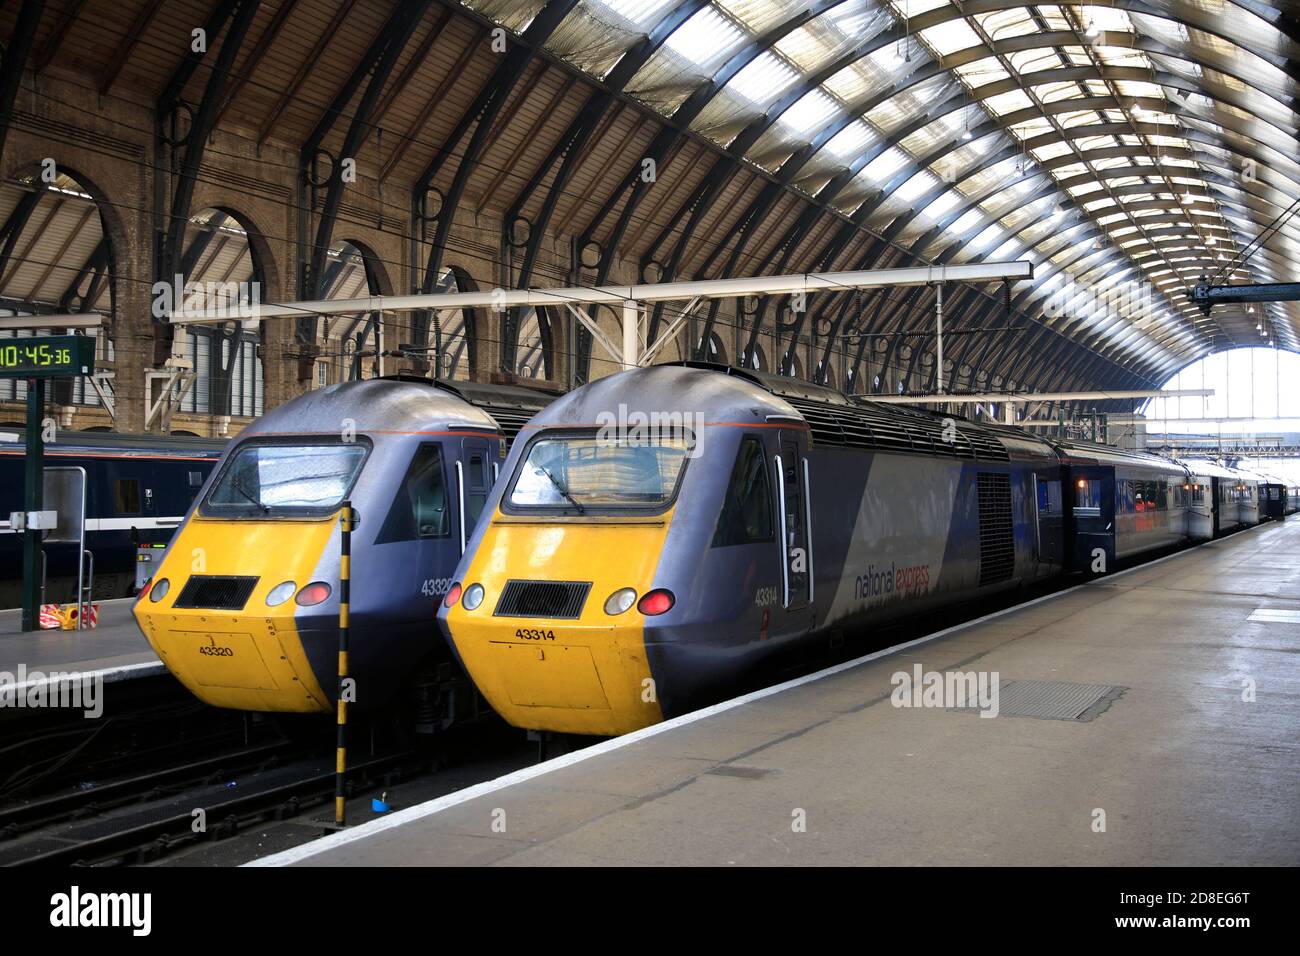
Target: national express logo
888 581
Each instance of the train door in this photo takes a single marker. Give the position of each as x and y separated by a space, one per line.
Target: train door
794 507
1214 506
1049 527
1092 509
473 482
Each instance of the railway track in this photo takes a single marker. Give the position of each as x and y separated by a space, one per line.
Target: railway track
168 805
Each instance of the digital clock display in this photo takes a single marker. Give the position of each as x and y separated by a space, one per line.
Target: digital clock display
52 356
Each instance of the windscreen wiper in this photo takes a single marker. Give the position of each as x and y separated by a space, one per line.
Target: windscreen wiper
563 490
266 509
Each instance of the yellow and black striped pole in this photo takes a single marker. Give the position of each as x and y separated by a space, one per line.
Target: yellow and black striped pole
345 598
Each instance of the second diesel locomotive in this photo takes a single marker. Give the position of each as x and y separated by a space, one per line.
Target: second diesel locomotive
243 608
619 580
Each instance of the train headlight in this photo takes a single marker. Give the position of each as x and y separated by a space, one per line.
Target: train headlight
620 601
657 601
281 593
313 594
159 590
453 595
473 597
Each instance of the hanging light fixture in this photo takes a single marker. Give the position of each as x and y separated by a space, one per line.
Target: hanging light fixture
1092 31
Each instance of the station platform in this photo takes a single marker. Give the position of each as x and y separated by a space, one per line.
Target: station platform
114 650
1126 736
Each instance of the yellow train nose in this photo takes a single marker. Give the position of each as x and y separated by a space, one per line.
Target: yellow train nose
540 646
247 655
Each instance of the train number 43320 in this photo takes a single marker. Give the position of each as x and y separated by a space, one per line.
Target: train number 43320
528 634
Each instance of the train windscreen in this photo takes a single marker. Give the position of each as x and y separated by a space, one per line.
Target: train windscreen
277 479
583 474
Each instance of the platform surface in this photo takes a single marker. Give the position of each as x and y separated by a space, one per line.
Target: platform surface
1184 770
116 649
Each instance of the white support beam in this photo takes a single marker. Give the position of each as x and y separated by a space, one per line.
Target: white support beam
1020 397
666 336
631 333
617 294
67 320
600 337
176 381
1172 421
938 330
102 383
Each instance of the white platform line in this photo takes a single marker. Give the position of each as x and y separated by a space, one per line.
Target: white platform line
61 673
429 808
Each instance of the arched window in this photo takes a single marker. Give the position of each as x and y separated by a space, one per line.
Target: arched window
61 262
222 269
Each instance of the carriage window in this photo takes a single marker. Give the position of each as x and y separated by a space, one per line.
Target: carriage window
1049 498
1087 497
476 489
126 496
746 515
419 507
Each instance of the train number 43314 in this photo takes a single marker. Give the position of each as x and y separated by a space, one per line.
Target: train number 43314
528 634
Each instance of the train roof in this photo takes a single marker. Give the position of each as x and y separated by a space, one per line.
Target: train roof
122 443
667 389
1205 467
743 395
1093 453
404 403
511 406
857 422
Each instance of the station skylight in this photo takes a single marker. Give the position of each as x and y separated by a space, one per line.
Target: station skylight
1159 139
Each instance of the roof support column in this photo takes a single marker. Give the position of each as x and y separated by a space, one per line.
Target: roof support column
11 68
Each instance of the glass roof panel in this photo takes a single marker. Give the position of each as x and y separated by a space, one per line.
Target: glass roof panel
1191 89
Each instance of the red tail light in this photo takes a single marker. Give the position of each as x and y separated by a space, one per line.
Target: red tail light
656 602
453 595
313 594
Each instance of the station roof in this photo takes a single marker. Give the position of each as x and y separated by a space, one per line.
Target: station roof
1130 146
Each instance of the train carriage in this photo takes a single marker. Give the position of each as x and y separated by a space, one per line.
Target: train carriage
138 489
1123 503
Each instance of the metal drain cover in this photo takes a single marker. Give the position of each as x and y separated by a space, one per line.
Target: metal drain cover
1053 699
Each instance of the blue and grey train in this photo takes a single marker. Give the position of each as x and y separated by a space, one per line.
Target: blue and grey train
633 564
244 607
138 488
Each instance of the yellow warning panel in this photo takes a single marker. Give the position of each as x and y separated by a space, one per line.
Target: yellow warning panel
243 663
556 676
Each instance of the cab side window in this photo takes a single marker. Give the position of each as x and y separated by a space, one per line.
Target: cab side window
419 508
746 516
